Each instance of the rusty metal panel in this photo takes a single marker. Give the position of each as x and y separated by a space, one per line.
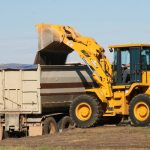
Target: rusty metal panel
61 84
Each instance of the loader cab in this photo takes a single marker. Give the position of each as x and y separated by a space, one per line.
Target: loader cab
131 62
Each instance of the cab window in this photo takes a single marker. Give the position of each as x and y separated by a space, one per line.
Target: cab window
125 57
145 58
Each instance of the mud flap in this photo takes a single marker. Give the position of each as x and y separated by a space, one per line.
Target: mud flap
12 122
35 130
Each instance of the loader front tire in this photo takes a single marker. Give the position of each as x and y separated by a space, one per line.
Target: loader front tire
139 110
85 111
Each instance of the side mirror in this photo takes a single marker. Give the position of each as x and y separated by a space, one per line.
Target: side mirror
111 50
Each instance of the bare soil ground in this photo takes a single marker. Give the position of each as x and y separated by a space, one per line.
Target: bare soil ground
106 137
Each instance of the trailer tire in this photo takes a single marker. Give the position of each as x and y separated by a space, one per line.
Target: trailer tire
85 111
65 123
139 110
50 126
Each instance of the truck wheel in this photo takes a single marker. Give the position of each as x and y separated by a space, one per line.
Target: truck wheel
50 126
65 123
139 110
85 111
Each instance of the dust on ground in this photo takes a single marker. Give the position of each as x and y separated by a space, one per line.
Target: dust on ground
106 137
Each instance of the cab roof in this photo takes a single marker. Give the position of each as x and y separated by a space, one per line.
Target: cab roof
129 45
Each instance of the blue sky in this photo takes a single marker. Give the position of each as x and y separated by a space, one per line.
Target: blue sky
108 21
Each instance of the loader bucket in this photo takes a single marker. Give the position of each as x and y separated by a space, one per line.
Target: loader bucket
51 49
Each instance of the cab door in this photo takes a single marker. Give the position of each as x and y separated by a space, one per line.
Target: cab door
135 67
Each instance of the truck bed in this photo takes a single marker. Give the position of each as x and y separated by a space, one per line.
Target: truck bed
41 89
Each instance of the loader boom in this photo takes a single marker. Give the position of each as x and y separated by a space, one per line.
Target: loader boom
87 48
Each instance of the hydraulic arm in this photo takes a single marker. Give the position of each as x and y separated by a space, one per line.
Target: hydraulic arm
88 49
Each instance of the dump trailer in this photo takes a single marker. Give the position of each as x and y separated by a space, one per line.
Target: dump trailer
123 90
35 99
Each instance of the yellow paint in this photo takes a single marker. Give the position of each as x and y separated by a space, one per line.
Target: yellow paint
134 85
83 111
117 95
119 87
118 103
146 77
141 111
129 45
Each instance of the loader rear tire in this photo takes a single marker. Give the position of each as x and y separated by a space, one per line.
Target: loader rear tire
50 126
139 110
65 123
85 111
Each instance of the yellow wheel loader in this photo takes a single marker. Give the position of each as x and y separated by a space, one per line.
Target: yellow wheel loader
122 89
